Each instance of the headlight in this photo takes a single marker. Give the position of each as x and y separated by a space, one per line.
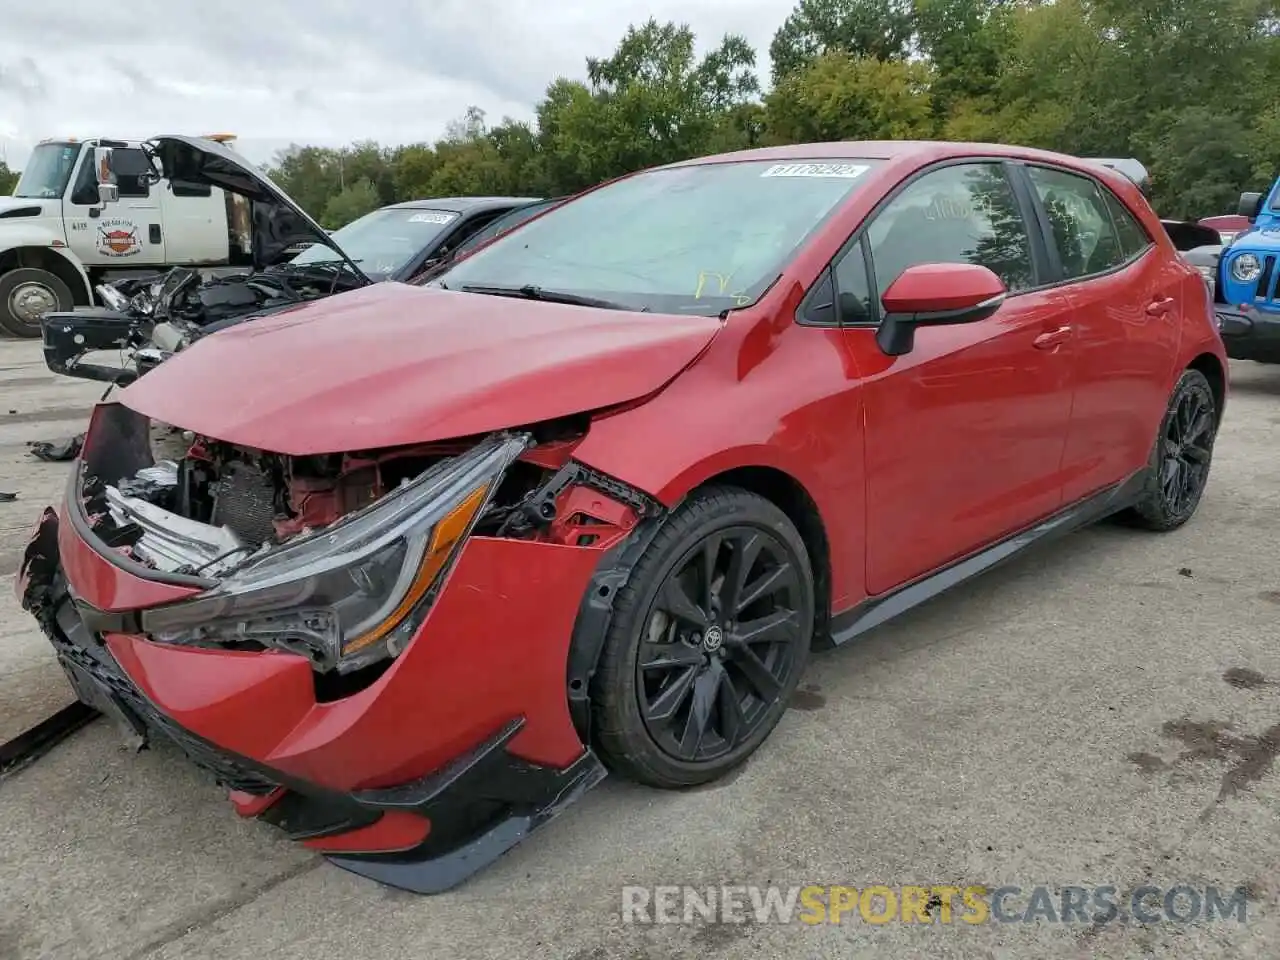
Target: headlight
1246 268
356 591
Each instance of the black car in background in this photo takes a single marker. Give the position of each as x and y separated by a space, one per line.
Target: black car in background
149 319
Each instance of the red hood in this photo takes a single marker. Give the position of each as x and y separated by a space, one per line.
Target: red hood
393 364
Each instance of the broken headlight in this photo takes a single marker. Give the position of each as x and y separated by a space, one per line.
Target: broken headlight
355 592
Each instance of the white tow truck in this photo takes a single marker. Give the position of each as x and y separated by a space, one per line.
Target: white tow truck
70 225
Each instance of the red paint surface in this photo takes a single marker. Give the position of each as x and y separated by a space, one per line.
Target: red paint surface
393 364
494 648
930 287
101 583
911 461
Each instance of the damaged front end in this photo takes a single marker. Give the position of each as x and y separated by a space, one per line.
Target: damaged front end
368 649
146 321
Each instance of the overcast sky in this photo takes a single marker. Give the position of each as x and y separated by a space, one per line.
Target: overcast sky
311 71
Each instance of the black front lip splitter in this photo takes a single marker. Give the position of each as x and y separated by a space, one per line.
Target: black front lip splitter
30 745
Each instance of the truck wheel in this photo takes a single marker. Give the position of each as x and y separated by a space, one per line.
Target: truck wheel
27 294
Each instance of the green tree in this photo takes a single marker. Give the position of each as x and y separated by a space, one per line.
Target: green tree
878 29
1184 85
1199 165
653 101
351 203
8 179
843 97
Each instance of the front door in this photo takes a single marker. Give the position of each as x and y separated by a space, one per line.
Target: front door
126 233
964 434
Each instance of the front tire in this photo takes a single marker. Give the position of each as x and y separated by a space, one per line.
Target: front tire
26 294
708 641
1180 461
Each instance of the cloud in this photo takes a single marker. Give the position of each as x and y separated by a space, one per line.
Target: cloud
319 71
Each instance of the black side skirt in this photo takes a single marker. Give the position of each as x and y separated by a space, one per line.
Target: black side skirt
874 611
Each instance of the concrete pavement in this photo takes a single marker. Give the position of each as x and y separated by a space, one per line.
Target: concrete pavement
1102 712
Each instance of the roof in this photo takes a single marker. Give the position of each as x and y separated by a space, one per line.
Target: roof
463 204
920 151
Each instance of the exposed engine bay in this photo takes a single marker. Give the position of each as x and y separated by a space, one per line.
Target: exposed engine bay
301 552
149 319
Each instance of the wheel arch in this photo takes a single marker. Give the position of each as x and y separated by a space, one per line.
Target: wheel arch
1213 370
770 482
60 263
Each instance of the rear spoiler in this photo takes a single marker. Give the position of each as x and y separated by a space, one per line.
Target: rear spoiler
1128 167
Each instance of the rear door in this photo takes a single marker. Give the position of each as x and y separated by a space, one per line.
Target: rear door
1125 317
964 434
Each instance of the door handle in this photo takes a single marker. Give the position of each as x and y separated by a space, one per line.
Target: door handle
1159 306
1054 338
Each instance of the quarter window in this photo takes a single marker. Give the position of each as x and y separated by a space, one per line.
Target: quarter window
852 287
965 213
1082 226
1133 238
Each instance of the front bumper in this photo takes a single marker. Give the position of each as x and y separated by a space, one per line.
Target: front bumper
69 336
444 763
1249 334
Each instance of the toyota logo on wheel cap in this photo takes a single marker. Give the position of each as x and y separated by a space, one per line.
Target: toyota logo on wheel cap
713 639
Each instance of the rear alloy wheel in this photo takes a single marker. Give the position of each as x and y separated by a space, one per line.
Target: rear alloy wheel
27 294
1179 468
708 642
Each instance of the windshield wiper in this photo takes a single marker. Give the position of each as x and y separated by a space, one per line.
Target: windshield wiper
533 292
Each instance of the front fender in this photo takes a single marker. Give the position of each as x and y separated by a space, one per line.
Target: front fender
777 405
19 237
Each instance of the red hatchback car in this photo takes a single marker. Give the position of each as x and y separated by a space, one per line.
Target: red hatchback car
408 569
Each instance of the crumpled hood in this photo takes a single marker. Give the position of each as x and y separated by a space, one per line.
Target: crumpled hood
393 364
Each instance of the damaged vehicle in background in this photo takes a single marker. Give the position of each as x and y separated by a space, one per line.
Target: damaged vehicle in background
149 319
585 502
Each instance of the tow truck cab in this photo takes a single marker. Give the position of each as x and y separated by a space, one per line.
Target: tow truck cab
85 211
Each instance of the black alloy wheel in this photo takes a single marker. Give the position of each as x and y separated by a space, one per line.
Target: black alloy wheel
1179 469
720 644
710 638
1188 443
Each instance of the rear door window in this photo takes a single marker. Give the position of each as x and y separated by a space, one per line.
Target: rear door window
1083 228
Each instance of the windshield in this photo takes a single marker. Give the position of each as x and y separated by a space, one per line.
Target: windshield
507 221
48 171
695 239
385 241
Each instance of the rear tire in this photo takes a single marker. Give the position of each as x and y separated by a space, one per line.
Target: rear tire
25 295
697 670
1179 467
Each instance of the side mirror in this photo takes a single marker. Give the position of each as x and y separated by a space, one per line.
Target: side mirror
936 294
108 189
1250 205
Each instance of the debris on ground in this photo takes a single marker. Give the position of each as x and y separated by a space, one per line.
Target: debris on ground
1184 571
55 451
7 497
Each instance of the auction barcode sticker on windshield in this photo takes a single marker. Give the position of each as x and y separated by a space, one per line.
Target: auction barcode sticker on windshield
433 217
848 171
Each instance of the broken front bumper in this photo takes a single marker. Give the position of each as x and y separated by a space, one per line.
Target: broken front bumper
69 336
461 749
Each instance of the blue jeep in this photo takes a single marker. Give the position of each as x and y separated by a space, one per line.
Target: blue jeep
1246 295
